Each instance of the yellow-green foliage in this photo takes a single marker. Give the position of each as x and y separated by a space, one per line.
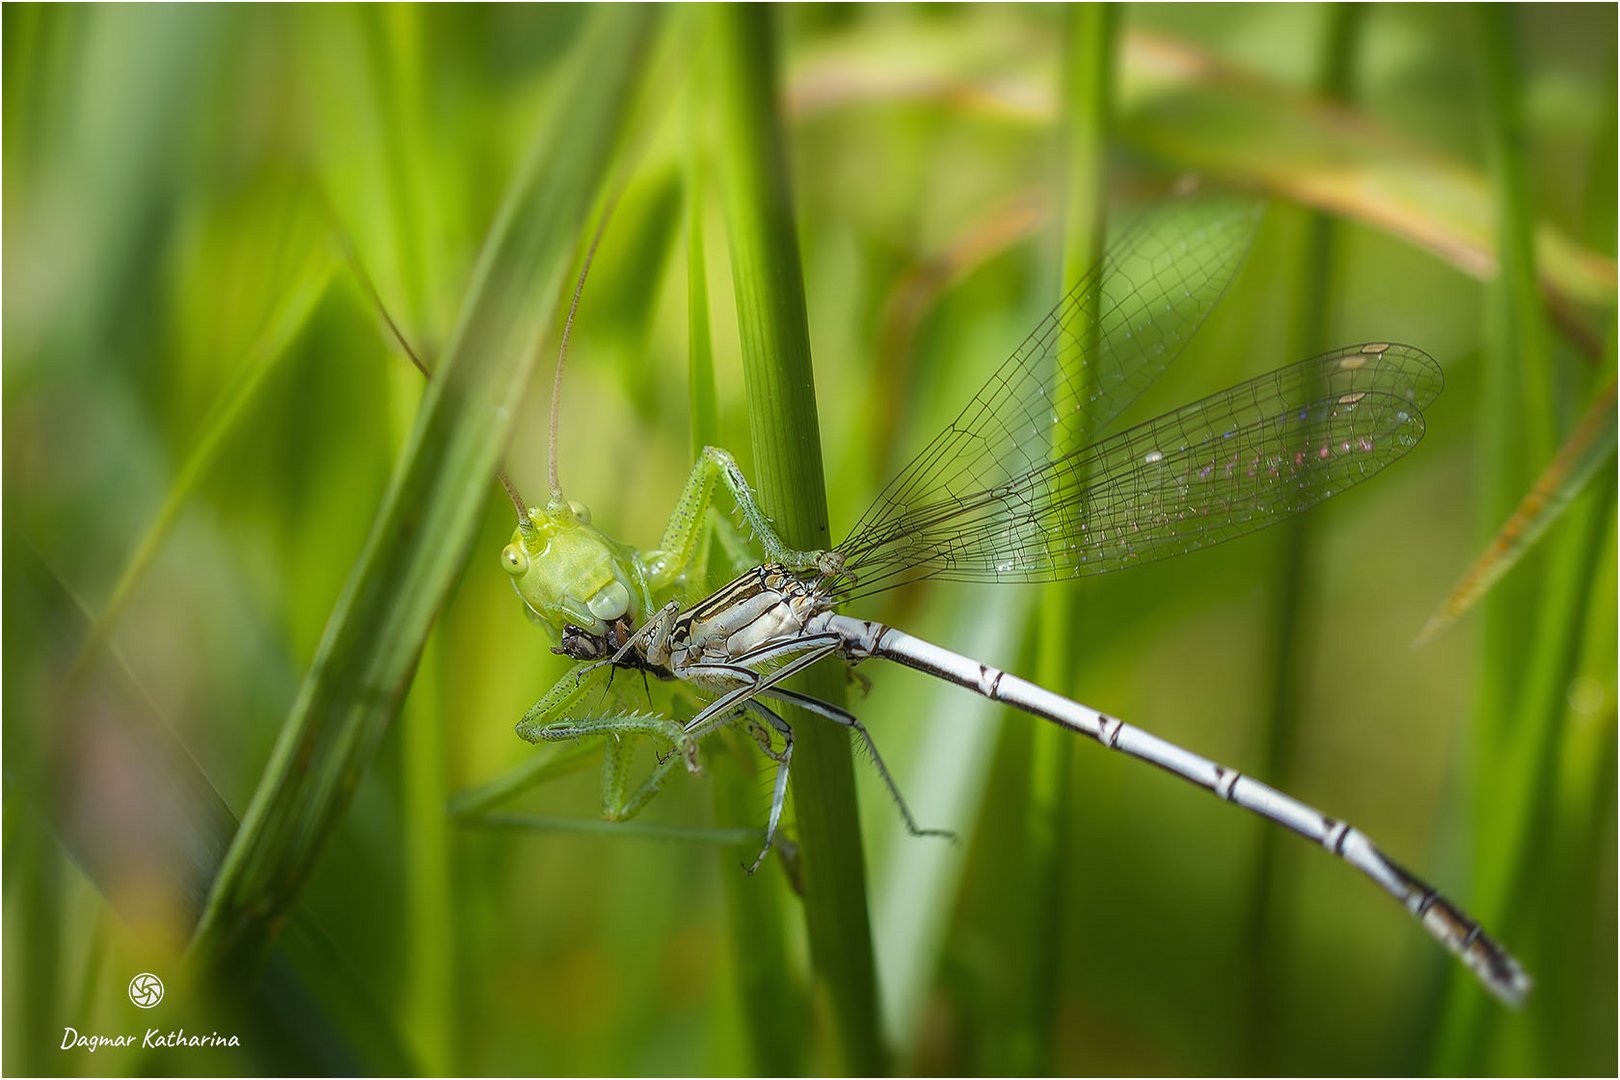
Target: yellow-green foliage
253 562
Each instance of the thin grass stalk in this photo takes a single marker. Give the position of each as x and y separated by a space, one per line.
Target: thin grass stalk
700 386
768 280
1527 803
767 992
1087 92
395 37
429 1005
1569 604
1579 951
37 787
1517 421
1517 438
91 976
1292 598
263 357
35 901
425 526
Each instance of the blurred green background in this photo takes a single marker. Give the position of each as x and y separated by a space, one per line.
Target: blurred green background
203 408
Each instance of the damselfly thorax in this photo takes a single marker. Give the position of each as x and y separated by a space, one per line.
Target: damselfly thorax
762 606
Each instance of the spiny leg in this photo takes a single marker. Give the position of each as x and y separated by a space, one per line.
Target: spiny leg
679 544
779 789
615 726
752 684
698 729
828 711
533 771
564 694
617 805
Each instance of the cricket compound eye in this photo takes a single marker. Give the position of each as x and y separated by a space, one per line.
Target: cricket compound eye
581 511
514 560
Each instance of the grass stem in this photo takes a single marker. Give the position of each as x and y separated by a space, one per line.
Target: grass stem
752 172
1087 90
1267 940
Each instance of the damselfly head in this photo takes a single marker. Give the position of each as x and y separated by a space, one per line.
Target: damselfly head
580 644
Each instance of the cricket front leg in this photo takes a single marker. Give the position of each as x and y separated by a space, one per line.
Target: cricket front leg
553 719
560 700
679 544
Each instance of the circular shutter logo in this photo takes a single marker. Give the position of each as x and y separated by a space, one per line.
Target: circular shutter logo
146 990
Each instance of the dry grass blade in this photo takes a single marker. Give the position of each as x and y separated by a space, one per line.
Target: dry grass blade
1191 110
1587 448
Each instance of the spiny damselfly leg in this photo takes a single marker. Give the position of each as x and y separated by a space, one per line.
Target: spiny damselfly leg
989 500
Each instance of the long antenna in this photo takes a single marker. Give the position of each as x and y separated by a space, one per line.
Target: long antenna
524 524
562 351
359 270
370 288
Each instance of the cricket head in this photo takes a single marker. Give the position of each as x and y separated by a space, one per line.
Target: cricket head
571 576
569 573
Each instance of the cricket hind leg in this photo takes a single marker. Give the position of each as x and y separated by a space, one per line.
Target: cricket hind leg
619 803
679 545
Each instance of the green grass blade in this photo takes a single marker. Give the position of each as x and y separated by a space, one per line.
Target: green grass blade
148 836
741 840
769 992
1578 988
1197 112
375 636
265 354
1085 122
1267 940
699 342
752 176
429 1007
1515 428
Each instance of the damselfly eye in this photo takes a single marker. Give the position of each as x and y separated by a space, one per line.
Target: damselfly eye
514 559
581 511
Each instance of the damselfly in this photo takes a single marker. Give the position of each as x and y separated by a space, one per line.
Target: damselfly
990 500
